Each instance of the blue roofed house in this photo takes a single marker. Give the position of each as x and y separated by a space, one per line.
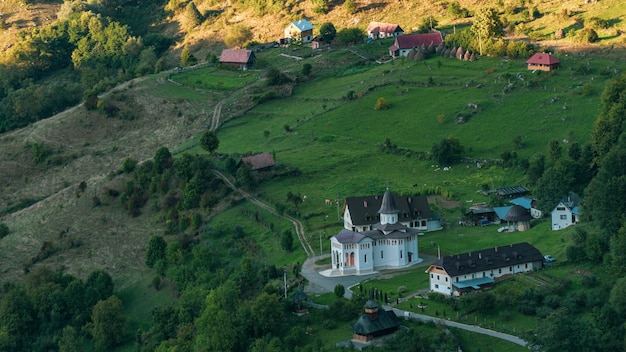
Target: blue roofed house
567 212
458 274
299 30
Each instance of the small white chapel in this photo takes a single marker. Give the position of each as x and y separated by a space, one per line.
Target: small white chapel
389 244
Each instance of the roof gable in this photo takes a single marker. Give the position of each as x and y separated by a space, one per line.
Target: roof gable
259 161
488 259
381 27
364 209
542 59
409 41
236 56
302 25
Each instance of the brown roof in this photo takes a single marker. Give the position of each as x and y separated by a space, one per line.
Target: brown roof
409 41
237 56
380 27
542 59
259 161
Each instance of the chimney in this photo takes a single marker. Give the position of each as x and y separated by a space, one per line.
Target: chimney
480 256
365 204
496 249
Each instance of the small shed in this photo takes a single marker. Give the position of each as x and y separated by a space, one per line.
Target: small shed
542 62
259 161
241 59
374 322
520 216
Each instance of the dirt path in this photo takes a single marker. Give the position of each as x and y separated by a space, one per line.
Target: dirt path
296 223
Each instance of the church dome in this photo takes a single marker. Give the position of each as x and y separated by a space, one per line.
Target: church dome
388 206
517 213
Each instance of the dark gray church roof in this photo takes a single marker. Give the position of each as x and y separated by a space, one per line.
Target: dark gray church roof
388 206
364 209
385 320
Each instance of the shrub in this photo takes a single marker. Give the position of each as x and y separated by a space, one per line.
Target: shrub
4 230
382 104
587 35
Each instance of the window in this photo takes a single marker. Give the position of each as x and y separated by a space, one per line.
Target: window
526 266
365 258
446 279
438 277
499 271
563 217
400 254
381 254
436 286
432 276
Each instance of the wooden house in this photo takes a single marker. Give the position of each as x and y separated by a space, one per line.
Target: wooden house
241 59
542 62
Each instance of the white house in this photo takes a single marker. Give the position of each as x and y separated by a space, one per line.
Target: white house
299 30
461 273
566 213
377 30
361 213
388 244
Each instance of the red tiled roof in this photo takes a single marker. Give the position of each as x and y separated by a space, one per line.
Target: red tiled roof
259 161
409 41
380 27
236 56
542 59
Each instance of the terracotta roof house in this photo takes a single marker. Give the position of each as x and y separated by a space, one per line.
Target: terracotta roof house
259 161
379 30
374 322
404 43
567 212
387 244
241 59
459 274
301 30
542 62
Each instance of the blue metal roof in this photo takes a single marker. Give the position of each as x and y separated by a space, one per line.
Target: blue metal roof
475 283
502 211
303 25
522 201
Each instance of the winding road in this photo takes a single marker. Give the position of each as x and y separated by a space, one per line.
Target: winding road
327 284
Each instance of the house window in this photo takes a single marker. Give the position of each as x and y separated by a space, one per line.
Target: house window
510 268
526 266
365 258
400 254
499 271
437 277
436 286
446 279
457 279
432 276
563 217
381 254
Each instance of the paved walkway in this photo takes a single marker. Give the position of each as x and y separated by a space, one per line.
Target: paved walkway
319 284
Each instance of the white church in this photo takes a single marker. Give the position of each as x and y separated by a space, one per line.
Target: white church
387 244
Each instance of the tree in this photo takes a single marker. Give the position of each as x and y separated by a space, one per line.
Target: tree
327 32
554 150
237 36
447 151
306 70
296 199
192 15
4 230
209 141
427 24
163 159
382 104
108 323
350 6
98 286
487 24
186 57
350 35
245 177
69 340
286 240
339 290
156 250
